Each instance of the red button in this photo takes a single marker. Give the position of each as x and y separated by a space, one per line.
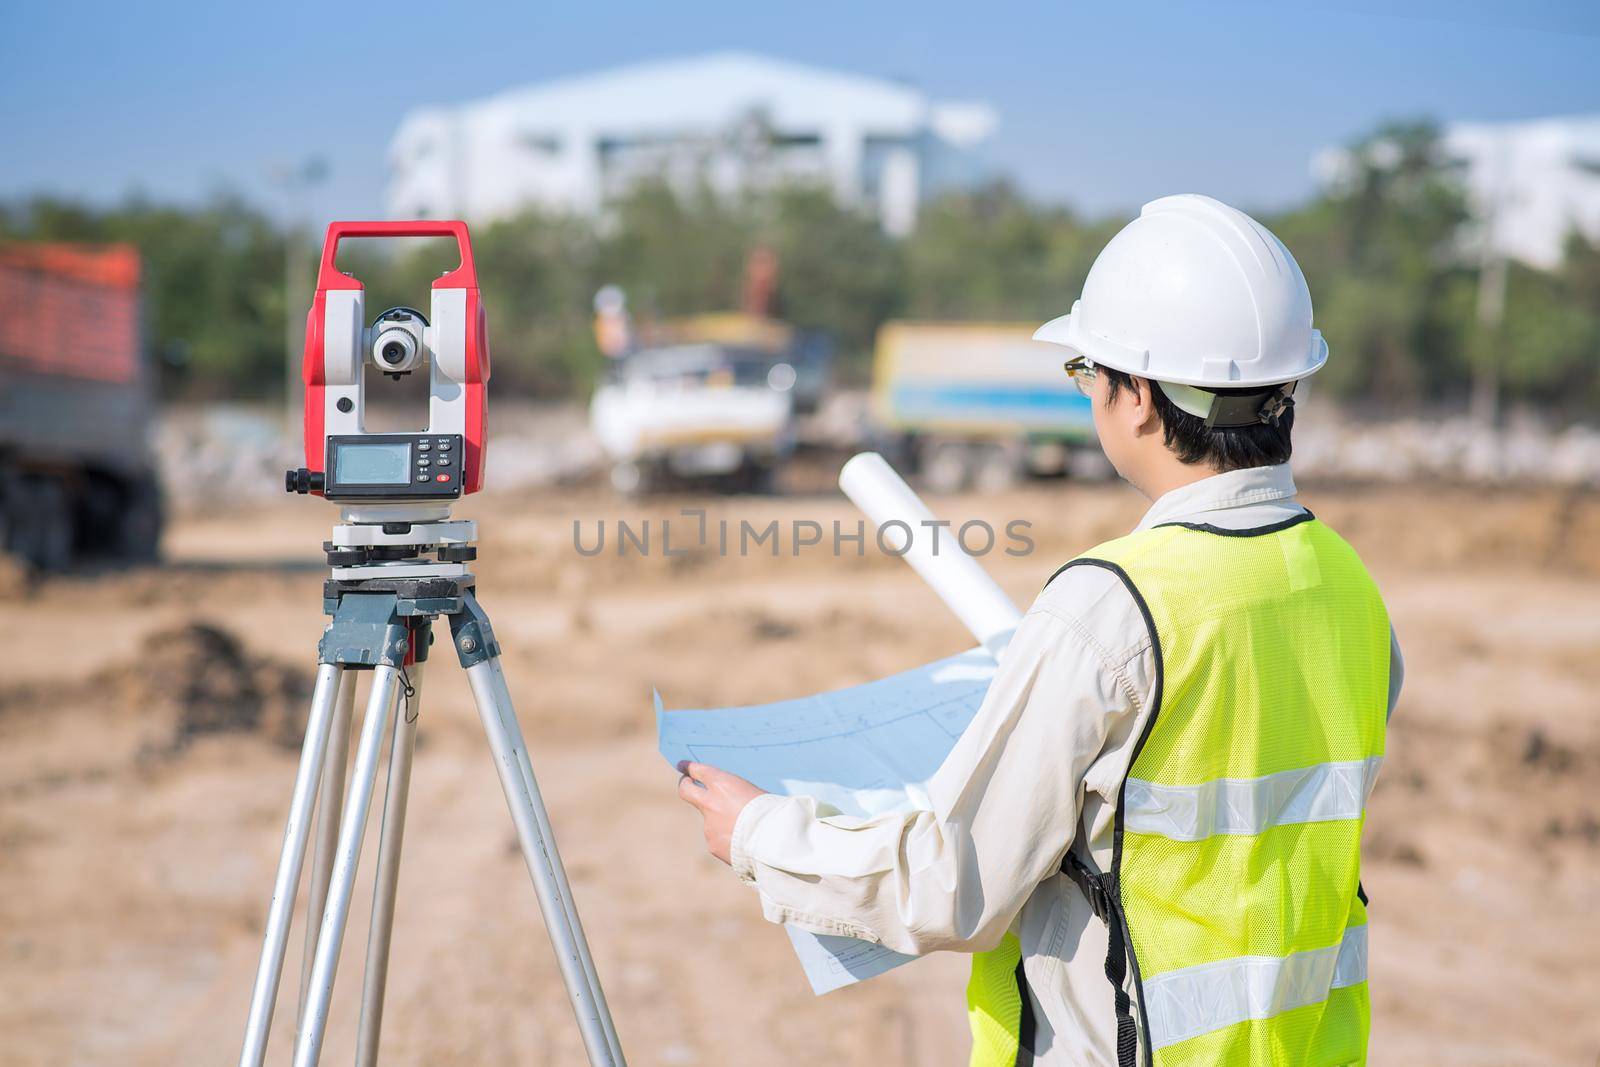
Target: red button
441 477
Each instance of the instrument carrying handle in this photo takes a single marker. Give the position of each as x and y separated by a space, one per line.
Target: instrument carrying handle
464 276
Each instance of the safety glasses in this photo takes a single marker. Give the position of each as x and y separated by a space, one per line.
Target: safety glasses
1082 371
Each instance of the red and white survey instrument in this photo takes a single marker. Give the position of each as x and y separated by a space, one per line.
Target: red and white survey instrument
342 460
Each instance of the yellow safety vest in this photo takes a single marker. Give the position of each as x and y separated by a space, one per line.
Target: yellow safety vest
1234 892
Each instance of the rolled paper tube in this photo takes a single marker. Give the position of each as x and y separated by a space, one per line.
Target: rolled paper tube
959 580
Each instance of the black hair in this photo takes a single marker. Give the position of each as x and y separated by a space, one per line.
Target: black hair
1220 448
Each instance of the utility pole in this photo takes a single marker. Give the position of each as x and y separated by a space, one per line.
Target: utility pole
1491 313
1492 271
297 183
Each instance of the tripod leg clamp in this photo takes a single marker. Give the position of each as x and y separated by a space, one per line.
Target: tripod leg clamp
367 631
471 633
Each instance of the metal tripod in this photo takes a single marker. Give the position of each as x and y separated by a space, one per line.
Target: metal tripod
385 593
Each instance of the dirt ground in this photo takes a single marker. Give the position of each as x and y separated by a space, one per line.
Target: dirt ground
148 722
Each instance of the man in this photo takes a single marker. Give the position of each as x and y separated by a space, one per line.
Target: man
1165 784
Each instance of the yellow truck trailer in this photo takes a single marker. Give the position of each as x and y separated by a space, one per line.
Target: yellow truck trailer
979 404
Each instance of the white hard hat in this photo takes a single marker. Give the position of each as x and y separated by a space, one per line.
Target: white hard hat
1194 292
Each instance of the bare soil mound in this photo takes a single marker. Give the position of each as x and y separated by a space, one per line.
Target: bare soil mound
202 680
184 682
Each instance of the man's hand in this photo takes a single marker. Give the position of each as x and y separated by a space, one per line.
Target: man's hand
719 797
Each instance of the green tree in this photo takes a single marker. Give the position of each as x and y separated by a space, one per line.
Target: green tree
1551 334
837 270
1381 249
1386 249
539 272
675 254
991 254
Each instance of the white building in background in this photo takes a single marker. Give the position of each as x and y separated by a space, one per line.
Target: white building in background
738 121
1531 182
1535 182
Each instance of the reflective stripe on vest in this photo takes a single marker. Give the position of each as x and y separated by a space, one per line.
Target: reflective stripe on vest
1319 793
1236 852
1197 1000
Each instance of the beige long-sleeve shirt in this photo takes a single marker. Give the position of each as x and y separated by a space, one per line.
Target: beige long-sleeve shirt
1040 764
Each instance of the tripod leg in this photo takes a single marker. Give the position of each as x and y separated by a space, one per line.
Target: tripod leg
388 877
352 827
327 833
264 995
539 851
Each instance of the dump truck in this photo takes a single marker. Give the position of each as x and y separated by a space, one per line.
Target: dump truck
77 476
970 404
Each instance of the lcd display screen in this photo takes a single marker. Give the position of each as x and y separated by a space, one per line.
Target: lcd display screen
381 464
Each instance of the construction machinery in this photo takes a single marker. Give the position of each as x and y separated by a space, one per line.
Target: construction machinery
77 476
979 404
710 399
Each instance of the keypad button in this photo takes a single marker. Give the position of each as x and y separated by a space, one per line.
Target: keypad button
441 477
424 461
422 477
423 446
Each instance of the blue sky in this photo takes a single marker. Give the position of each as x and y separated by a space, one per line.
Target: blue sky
1102 106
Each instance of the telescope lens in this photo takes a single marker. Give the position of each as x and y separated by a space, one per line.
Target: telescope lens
393 353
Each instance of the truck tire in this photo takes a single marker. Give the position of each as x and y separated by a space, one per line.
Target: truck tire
138 537
633 478
1089 464
996 467
61 533
8 524
946 466
40 526
759 477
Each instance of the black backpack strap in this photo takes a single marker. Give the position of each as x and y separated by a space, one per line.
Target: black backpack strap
1103 890
1105 901
1027 1026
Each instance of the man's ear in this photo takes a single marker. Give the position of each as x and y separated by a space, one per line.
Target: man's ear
1147 421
